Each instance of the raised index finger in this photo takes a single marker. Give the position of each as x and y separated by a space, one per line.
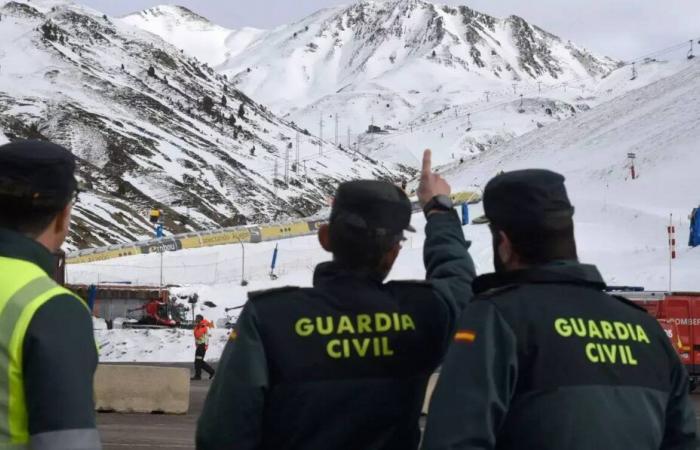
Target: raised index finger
427 163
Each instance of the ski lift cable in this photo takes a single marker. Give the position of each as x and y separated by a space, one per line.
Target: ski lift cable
630 62
491 106
662 51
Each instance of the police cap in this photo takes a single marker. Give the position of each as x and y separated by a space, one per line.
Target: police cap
376 208
530 199
36 175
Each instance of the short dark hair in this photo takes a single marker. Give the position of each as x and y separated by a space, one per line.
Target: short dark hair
25 219
356 250
536 246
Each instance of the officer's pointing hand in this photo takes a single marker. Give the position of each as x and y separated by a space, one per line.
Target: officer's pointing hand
431 184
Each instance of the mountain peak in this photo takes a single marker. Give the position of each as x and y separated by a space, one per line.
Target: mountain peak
176 12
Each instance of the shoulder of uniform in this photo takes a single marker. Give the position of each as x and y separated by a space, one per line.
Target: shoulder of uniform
494 293
269 293
627 302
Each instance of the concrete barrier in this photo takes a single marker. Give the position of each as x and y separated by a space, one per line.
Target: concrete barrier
429 391
142 389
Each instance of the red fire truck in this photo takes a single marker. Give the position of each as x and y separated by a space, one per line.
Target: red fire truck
679 315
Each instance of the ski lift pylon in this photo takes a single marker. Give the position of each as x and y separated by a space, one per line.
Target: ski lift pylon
690 52
521 110
634 72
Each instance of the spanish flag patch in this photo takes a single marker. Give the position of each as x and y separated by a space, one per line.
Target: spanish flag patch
233 335
465 336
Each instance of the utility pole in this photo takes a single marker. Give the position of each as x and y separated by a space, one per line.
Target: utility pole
336 130
274 178
243 280
320 136
631 157
671 251
297 159
515 88
286 163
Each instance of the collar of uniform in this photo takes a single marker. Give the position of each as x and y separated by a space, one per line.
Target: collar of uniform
562 272
18 246
331 273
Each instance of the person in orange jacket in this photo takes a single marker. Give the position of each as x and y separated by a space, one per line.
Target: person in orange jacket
201 340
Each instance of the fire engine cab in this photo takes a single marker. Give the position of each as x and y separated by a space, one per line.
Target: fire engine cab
678 314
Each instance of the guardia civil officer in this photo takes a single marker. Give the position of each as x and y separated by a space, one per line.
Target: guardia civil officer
344 364
47 349
543 358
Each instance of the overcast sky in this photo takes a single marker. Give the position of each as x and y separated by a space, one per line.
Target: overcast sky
622 29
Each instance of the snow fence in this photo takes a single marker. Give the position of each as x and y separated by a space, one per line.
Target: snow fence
225 236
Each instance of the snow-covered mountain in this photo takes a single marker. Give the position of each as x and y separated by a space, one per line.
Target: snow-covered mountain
403 45
153 126
196 35
395 64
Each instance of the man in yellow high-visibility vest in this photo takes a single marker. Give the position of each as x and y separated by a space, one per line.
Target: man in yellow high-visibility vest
48 355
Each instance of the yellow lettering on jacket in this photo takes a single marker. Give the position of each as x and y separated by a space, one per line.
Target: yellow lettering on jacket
605 342
363 335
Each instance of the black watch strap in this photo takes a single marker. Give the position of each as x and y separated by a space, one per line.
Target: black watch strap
438 203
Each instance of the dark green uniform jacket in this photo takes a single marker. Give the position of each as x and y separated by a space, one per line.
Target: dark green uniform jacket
544 359
342 365
59 362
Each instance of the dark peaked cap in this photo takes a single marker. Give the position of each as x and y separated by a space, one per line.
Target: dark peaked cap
375 207
532 198
36 174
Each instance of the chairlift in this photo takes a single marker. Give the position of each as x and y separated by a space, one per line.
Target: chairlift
690 52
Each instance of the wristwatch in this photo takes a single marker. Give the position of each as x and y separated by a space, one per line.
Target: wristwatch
438 203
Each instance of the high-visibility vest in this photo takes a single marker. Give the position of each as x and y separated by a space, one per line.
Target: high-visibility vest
24 288
201 332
